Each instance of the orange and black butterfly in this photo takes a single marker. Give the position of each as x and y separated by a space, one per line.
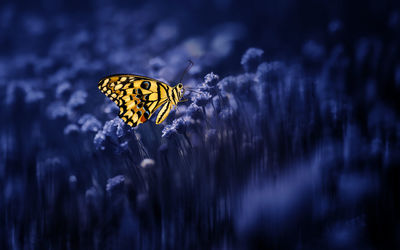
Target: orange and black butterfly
138 97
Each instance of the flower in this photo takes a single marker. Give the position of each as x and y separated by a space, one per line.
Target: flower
147 163
63 89
194 111
202 99
71 129
211 79
244 83
89 123
156 64
92 125
99 140
58 110
114 127
228 84
251 58
78 98
115 182
313 51
269 72
168 131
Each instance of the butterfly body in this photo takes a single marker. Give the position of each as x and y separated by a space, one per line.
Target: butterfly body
138 97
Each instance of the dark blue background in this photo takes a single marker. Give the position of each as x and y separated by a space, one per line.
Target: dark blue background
293 142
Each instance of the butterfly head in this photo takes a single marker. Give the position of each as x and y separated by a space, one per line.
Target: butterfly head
180 90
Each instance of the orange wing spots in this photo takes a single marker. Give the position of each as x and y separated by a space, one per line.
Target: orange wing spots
143 119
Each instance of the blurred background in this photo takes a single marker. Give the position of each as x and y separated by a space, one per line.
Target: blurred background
291 140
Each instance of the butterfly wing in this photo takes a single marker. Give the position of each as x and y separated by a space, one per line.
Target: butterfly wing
164 112
137 96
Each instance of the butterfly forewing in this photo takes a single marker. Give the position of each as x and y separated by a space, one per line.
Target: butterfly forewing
138 97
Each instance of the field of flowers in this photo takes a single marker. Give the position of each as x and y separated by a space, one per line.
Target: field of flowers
291 139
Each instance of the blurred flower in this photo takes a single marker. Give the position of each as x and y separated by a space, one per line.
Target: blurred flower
194 111
89 123
334 26
24 91
115 182
58 110
228 84
202 99
211 79
111 109
224 38
78 98
71 129
251 59
245 82
270 72
72 179
156 64
211 135
93 196
168 131
180 125
147 163
63 89
210 84
313 51
165 32
99 140
92 125
394 20
353 188
226 114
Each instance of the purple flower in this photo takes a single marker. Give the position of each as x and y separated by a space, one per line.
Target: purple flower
211 79
313 51
63 89
228 84
93 196
33 96
156 64
335 26
251 59
211 135
78 98
71 129
270 72
180 125
115 182
26 92
110 109
99 140
202 99
168 131
245 82
114 127
89 123
58 110
226 114
84 118
194 111
92 125
147 163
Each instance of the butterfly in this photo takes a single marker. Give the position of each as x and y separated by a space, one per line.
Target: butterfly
138 97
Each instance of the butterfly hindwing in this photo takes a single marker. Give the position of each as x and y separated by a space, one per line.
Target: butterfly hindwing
138 97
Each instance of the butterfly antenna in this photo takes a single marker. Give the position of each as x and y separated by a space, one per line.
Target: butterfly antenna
193 91
186 70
